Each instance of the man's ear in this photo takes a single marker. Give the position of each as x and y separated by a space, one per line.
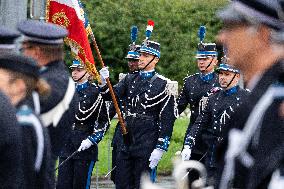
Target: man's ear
215 61
238 76
157 59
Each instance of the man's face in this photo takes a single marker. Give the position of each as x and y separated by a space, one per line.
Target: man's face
241 43
133 65
225 78
78 73
202 64
29 50
144 59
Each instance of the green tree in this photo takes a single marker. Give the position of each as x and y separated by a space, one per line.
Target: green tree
176 26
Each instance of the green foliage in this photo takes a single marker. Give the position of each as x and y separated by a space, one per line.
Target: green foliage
176 26
165 166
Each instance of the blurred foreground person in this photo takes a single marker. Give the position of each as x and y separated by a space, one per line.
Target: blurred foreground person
253 35
11 135
44 43
19 77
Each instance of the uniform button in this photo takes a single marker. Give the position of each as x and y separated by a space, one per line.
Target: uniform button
84 101
148 90
215 122
214 127
85 95
132 87
128 97
143 112
131 92
81 123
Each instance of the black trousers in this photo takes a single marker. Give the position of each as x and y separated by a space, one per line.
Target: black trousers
129 170
114 155
75 174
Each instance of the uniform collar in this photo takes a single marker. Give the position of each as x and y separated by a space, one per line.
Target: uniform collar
82 86
232 90
207 77
147 74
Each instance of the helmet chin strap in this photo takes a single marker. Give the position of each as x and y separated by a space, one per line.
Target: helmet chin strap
148 63
81 77
209 64
231 80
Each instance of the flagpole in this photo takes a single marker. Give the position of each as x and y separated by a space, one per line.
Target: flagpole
120 118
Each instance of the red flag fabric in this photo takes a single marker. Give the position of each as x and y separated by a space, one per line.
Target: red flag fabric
69 14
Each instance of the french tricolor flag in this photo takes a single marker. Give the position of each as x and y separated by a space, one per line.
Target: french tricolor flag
69 14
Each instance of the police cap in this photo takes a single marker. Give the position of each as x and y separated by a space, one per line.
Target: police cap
151 47
7 38
19 63
42 32
227 67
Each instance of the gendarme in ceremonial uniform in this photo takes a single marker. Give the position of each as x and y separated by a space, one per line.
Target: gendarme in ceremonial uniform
91 122
196 86
132 58
149 117
212 123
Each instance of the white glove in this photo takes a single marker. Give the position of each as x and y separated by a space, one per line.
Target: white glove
186 152
155 157
104 75
85 144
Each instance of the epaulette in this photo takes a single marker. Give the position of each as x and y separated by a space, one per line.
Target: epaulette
189 76
171 86
121 76
163 77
